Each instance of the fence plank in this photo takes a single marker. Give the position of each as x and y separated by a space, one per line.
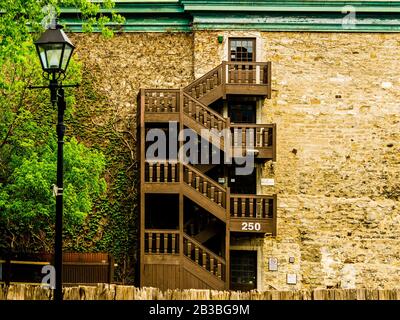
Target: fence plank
105 291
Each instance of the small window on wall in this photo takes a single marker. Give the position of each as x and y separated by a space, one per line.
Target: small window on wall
242 49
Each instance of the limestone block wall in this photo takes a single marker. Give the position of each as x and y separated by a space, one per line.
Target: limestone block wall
336 103
104 118
119 66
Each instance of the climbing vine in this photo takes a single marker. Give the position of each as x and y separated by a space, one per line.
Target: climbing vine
112 226
99 163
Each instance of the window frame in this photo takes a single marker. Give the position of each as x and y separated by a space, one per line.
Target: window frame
252 39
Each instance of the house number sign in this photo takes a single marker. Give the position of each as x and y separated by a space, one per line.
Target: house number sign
251 226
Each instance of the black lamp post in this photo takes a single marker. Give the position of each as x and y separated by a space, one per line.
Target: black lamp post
55 50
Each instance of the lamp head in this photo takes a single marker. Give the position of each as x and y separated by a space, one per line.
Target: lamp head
54 49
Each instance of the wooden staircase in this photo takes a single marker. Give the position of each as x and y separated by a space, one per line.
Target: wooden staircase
183 260
232 78
190 106
213 267
206 233
194 184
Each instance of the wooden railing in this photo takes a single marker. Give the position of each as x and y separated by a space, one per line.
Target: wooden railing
161 100
227 73
252 206
203 184
167 171
205 83
255 73
204 257
161 241
203 114
260 135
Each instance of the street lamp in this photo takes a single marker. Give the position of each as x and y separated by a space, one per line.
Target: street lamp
55 50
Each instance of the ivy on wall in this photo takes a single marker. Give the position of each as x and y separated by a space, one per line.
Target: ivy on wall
112 226
99 199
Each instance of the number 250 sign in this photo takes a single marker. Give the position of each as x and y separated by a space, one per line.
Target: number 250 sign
251 226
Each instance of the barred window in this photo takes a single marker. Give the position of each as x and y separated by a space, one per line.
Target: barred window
242 49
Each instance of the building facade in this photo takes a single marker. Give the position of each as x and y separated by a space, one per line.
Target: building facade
316 87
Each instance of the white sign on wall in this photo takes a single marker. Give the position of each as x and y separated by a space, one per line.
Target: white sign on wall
267 182
272 264
291 278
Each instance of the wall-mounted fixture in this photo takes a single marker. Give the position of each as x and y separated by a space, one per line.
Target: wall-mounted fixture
291 278
220 39
272 264
267 182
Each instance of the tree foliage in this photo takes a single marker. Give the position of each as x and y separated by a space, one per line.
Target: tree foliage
28 142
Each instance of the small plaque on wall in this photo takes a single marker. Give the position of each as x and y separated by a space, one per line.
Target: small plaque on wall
273 264
291 278
267 182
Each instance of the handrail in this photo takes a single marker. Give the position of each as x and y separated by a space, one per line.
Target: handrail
165 161
162 241
206 75
253 73
161 171
253 206
254 63
160 90
169 231
161 100
251 196
199 80
214 113
215 184
251 125
216 257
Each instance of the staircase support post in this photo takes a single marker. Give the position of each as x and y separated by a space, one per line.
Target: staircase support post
223 81
181 181
141 107
227 238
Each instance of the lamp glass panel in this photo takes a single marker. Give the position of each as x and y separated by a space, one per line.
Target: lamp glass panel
67 55
54 53
43 58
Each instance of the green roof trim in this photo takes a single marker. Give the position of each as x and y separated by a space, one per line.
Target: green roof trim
271 15
290 6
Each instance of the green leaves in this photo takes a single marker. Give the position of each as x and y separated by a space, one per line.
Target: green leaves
93 218
27 198
28 144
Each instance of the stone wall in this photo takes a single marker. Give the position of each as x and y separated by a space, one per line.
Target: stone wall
336 103
119 66
104 118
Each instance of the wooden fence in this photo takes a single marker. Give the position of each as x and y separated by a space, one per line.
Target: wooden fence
78 268
120 292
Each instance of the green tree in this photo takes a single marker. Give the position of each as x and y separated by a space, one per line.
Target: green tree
27 133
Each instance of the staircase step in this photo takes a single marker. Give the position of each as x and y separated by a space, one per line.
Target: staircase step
205 202
198 126
207 233
212 96
205 167
211 267
197 274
